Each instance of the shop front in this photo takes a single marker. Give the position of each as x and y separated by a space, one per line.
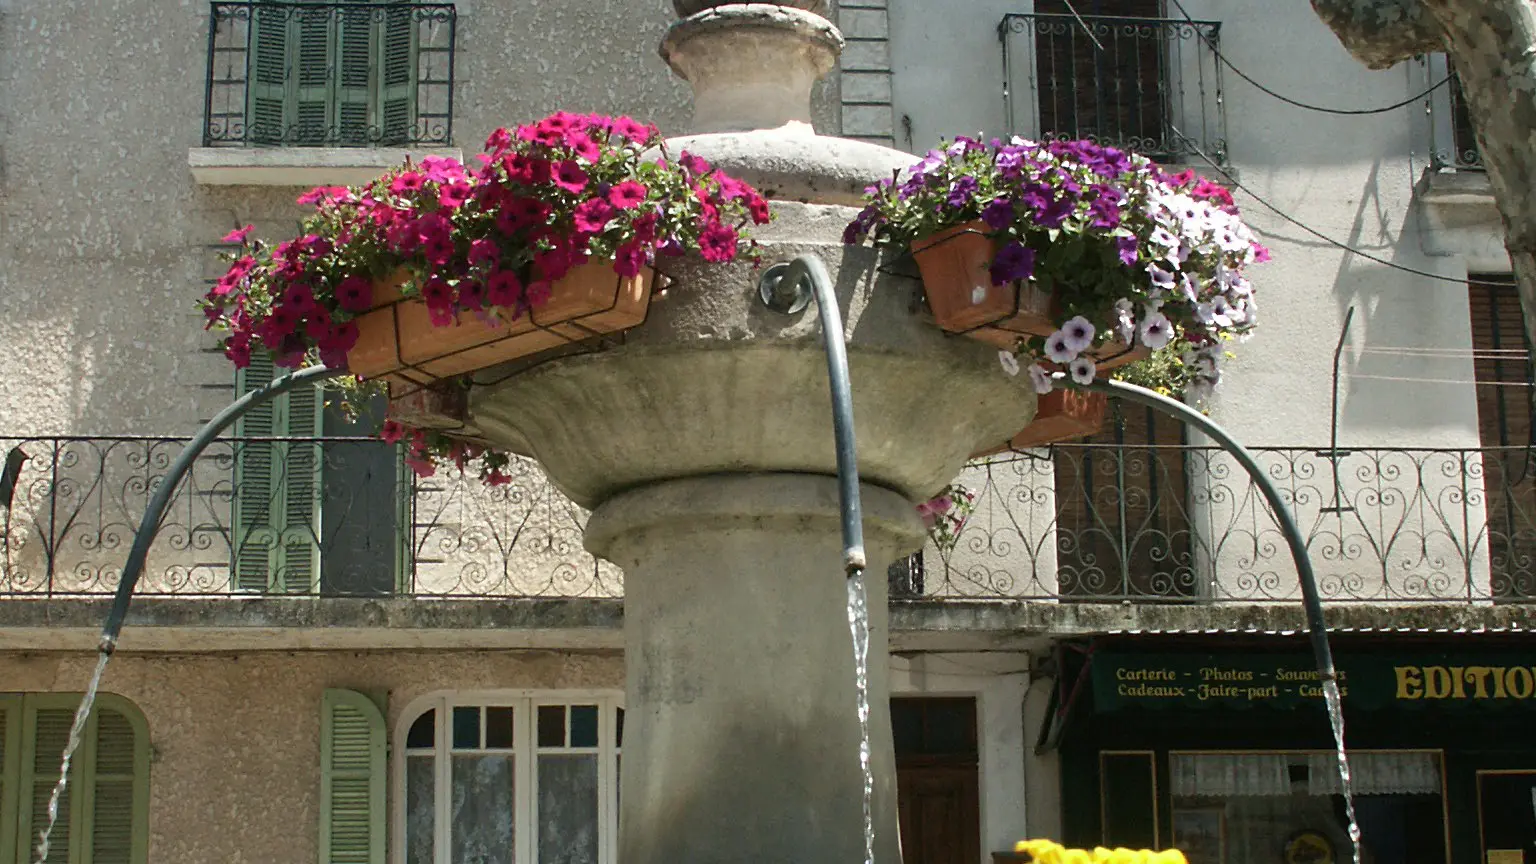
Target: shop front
1224 750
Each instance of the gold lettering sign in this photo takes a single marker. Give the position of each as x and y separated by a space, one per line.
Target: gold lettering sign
1465 682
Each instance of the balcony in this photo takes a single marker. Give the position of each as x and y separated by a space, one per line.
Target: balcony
1139 524
1148 84
1453 138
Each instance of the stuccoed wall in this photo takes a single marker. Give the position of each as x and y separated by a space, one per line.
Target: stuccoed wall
1350 178
105 239
235 759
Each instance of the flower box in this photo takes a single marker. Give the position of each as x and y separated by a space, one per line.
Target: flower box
398 340
1063 415
956 268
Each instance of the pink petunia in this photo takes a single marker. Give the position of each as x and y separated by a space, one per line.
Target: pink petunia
570 177
299 298
629 258
592 216
438 250
484 251
434 226
717 243
407 182
437 293
421 465
499 140
453 195
693 164
239 351
503 288
471 294
627 195
441 169
583 146
238 235
355 294
624 127
392 432
527 170
537 293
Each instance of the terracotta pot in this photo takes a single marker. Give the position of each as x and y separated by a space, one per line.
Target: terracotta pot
399 340
1063 415
956 267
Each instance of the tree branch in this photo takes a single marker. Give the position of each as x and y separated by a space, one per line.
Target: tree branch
1381 33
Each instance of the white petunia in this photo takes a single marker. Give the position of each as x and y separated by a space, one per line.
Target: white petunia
1009 362
1057 349
1156 330
1079 334
1082 370
1040 378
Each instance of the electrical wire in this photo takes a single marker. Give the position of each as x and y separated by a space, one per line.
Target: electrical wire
1233 181
1348 112
1356 376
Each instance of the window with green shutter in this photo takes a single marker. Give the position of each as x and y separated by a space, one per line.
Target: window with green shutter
332 73
319 505
104 813
352 765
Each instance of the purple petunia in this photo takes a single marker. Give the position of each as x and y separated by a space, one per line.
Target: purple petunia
998 215
1013 261
1127 248
962 191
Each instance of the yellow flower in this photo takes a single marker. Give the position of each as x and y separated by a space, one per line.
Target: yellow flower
1035 848
1167 856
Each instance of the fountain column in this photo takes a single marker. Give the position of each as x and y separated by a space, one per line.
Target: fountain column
704 447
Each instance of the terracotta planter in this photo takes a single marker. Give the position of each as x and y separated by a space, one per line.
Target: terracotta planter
1063 415
399 341
956 267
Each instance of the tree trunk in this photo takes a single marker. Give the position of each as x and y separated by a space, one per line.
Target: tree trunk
1492 46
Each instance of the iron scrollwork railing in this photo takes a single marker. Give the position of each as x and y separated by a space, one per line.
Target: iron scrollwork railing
328 517
1450 123
339 74
1152 85
1145 523
1087 523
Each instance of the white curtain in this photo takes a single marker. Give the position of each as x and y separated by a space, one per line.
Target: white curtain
1227 775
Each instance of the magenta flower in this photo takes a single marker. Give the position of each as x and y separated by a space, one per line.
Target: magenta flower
355 294
592 216
583 146
391 432
499 140
438 250
629 259
503 288
471 294
239 351
1014 261
570 177
441 169
717 243
407 182
693 164
626 128
483 251
238 235
453 195
627 195
437 294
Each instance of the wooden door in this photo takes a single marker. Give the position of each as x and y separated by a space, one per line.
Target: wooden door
937 780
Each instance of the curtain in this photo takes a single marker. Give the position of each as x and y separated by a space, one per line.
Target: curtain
1227 775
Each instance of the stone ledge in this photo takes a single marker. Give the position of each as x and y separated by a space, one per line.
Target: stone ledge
302 623
301 166
1446 186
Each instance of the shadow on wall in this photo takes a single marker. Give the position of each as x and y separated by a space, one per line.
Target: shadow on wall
1407 364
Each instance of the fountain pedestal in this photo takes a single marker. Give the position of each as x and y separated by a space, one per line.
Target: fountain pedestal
704 446
741 742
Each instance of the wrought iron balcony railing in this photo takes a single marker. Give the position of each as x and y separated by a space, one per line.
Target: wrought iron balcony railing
339 74
1147 84
1453 138
1093 523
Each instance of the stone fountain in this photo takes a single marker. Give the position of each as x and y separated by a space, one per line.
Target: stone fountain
704 447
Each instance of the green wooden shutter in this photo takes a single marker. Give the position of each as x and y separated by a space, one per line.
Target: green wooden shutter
314 96
397 75
354 88
352 765
267 114
119 793
299 532
10 774
277 489
42 747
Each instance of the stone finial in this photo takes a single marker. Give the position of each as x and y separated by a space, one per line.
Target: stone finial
751 65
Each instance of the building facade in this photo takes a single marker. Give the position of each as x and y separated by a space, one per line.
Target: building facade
319 628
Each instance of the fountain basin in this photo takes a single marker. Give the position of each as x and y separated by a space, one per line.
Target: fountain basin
714 382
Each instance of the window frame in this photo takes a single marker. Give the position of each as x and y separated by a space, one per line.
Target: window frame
525 703
19 745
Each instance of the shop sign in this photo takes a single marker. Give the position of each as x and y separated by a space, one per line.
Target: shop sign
1291 680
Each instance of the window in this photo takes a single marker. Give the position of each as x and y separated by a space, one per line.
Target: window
103 815
1504 416
505 779
1286 806
1112 94
332 73
318 508
1122 523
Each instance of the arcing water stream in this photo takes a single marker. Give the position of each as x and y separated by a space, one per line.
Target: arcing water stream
858 625
76 734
